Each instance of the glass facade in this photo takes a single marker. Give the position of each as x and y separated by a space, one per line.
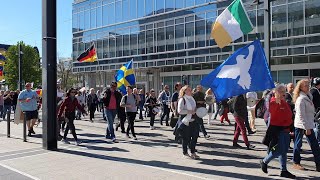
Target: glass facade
174 35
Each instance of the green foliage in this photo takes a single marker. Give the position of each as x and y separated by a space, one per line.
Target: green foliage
31 70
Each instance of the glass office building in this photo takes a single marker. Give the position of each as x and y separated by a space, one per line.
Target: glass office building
171 38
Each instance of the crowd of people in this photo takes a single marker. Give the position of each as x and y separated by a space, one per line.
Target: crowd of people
289 112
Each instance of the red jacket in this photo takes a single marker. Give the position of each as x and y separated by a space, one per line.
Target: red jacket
69 106
280 114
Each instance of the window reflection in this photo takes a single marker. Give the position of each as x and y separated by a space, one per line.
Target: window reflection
295 19
312 16
279 22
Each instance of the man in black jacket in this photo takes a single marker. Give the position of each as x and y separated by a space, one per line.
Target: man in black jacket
315 91
111 102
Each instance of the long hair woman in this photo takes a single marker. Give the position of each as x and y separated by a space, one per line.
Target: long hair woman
68 107
190 130
277 136
304 124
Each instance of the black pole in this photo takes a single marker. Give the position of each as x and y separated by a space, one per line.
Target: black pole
8 123
49 74
267 31
20 88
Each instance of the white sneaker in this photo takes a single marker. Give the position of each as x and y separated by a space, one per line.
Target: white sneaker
152 127
65 141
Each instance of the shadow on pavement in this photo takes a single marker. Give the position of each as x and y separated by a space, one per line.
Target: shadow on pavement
160 164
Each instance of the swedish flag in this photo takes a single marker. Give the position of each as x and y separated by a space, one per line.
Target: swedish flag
125 77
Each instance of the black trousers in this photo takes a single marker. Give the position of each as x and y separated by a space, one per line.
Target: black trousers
122 119
152 117
201 125
189 137
92 109
166 112
131 116
70 125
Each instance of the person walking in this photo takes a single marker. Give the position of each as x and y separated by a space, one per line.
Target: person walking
68 107
122 117
141 103
111 101
129 102
28 104
151 103
200 103
289 100
240 113
315 92
174 104
210 100
1 103
15 95
252 98
7 103
225 110
92 102
304 124
188 125
277 136
164 98
81 100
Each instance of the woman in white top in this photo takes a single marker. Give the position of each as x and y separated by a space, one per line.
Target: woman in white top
304 124
190 130
210 100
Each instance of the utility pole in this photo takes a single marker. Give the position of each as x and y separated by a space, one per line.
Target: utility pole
49 74
267 31
20 66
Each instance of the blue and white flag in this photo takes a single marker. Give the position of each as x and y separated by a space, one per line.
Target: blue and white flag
246 70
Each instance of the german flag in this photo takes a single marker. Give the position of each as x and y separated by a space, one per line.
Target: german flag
90 55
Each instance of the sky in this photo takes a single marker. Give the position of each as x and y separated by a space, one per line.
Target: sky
21 20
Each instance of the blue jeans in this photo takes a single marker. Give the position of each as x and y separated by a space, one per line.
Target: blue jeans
111 115
317 131
281 151
298 143
6 108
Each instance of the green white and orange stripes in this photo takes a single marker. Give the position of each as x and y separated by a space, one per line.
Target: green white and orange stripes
231 24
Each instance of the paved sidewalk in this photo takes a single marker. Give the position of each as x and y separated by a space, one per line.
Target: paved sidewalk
155 155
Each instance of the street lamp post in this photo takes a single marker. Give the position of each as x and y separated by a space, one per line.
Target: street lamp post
49 73
267 30
20 53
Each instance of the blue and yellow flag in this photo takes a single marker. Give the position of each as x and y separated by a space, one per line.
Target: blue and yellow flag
125 77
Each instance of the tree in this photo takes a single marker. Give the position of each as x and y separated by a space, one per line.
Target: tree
64 71
31 70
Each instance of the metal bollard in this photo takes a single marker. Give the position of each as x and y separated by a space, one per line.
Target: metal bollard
24 127
8 123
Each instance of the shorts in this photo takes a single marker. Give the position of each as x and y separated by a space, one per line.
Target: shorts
31 115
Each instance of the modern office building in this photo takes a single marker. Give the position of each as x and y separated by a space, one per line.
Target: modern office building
171 38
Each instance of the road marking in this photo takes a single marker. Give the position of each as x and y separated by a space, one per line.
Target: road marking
23 157
177 172
20 153
20 172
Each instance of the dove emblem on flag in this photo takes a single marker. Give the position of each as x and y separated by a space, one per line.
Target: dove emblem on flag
240 69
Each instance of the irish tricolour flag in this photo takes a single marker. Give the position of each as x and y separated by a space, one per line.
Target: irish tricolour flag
231 24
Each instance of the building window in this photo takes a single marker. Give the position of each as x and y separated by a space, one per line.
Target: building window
279 21
302 72
285 76
295 19
312 15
